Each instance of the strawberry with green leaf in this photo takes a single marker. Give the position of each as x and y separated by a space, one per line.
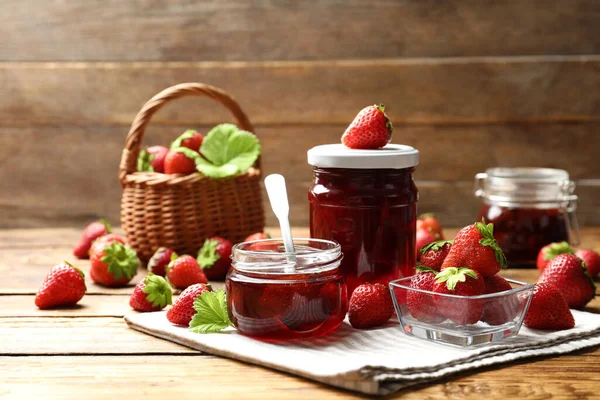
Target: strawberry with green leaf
370 129
476 248
181 160
183 309
420 304
227 151
434 254
64 285
115 265
463 282
151 294
548 252
152 159
211 313
189 139
215 257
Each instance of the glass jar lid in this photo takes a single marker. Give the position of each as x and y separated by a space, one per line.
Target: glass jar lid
392 156
525 185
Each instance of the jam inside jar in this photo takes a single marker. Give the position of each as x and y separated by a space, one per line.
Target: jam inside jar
272 297
366 200
530 208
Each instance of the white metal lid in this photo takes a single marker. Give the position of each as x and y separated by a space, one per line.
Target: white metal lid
392 156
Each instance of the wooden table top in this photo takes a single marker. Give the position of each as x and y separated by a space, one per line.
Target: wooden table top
89 352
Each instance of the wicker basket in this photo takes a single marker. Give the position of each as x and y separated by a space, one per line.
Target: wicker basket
181 211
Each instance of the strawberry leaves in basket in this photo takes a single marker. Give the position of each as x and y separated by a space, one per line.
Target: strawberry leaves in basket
211 313
227 151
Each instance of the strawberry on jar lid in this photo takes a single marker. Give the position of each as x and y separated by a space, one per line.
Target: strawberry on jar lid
392 156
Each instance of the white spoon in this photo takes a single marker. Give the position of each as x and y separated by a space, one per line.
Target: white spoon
277 192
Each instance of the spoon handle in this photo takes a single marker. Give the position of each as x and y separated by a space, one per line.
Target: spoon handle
277 192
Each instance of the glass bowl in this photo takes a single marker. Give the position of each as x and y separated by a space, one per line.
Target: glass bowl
450 319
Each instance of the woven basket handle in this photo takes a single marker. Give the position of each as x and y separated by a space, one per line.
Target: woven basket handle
138 127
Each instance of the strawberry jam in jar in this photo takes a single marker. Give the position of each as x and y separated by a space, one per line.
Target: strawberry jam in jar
366 200
530 208
273 295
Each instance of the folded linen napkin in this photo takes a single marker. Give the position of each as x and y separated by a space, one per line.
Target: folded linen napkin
378 361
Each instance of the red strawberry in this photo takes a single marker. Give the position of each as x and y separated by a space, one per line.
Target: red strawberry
64 285
151 294
183 310
434 254
114 265
265 246
476 248
550 251
184 271
591 259
181 161
548 309
370 305
424 237
159 261
461 282
215 257
421 305
371 129
92 232
499 310
100 243
257 236
569 275
429 221
189 139
152 159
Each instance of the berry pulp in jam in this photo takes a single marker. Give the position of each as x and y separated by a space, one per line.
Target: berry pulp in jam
371 213
288 306
522 232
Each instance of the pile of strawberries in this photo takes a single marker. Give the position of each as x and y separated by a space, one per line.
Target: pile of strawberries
114 264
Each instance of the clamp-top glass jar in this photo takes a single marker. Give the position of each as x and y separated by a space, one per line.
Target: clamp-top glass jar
366 200
530 208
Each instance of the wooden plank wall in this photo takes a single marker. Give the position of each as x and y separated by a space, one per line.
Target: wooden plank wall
472 84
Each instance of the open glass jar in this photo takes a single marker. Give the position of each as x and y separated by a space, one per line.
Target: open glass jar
274 295
530 208
366 200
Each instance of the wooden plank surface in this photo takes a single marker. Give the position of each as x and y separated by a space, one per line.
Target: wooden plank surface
417 91
263 30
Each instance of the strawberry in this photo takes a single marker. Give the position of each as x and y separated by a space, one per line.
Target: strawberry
550 251
370 305
591 259
114 265
421 305
434 254
430 222
264 246
548 309
64 285
461 282
424 237
159 261
569 274
99 244
91 232
183 309
152 159
189 139
151 294
370 129
499 310
257 236
215 257
184 271
181 161
476 248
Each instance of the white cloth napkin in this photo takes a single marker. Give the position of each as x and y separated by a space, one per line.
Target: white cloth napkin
378 361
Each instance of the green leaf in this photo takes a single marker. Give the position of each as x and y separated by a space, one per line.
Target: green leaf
189 153
185 135
121 260
454 275
422 268
228 151
211 313
106 224
556 249
208 256
435 246
144 160
158 290
487 231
